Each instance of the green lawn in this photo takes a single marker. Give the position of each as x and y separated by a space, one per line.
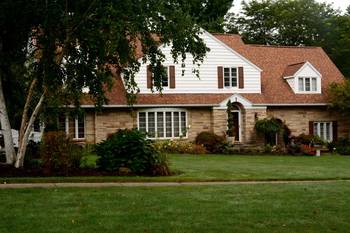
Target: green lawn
222 168
322 207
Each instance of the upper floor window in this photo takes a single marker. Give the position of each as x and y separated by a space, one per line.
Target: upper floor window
165 77
230 77
307 84
163 124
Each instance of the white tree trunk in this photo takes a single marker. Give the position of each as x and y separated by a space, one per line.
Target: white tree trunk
27 128
6 128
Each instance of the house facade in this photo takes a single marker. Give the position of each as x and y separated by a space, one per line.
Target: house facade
288 83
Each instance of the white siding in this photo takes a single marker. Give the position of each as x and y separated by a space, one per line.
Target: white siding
307 71
207 82
291 82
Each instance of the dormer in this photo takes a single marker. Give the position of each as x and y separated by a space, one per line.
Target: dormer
303 78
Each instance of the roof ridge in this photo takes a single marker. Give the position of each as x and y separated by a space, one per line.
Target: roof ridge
284 46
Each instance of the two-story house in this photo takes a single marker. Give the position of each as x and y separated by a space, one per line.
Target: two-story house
289 83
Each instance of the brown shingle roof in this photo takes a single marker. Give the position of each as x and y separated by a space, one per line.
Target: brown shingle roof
292 69
274 60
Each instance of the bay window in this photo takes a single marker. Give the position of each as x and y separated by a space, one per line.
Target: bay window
163 124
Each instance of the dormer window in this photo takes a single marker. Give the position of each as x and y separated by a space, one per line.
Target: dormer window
230 77
307 84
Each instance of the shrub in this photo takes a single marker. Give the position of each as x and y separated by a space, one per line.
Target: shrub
32 157
342 146
59 154
309 140
130 149
179 147
213 143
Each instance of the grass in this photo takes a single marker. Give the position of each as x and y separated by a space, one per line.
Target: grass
233 208
225 168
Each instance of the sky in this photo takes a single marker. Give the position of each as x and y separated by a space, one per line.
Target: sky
338 4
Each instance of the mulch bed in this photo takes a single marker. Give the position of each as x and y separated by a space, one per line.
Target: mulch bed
10 171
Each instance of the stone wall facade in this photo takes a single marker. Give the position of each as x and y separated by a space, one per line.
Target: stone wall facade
100 124
297 118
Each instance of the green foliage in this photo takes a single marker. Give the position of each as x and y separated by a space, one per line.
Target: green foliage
130 149
339 97
308 23
212 142
179 147
268 126
230 125
59 154
345 150
89 158
306 139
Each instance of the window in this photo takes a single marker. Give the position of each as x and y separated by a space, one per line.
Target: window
165 77
79 127
324 130
307 84
230 77
73 126
163 124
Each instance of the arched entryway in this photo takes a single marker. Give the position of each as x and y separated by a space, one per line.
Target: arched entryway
234 121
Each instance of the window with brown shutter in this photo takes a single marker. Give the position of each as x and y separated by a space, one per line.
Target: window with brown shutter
241 77
172 76
220 77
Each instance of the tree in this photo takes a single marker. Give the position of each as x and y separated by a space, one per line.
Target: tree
339 96
284 22
75 44
209 14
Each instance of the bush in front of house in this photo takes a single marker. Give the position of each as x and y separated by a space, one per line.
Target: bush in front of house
59 155
341 146
179 147
212 142
129 152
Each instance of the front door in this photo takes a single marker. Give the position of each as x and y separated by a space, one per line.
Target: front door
235 125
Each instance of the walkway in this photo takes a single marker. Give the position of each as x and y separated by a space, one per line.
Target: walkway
158 184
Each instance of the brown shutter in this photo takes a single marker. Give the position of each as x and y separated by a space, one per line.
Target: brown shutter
220 77
172 76
311 127
241 77
335 130
149 77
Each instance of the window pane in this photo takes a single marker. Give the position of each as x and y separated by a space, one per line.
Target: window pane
165 77
227 77
168 125
160 124
301 84
322 130
307 84
315 129
142 121
81 126
183 124
328 131
151 125
234 77
314 84
176 124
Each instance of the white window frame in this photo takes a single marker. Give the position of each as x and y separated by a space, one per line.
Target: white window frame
317 130
76 124
164 110
304 91
237 76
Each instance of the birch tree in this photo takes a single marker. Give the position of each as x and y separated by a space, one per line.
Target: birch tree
74 44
